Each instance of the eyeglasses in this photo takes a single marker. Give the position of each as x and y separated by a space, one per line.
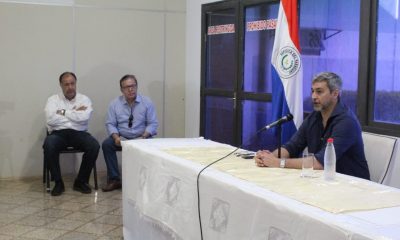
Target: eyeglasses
129 87
130 121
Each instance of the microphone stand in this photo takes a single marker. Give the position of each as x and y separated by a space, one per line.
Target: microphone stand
279 130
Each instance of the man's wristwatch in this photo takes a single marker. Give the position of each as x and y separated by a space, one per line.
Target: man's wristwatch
282 163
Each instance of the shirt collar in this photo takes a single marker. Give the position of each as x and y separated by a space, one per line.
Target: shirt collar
339 108
137 100
65 99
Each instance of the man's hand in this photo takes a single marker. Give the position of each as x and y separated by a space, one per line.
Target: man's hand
146 135
258 158
265 158
117 139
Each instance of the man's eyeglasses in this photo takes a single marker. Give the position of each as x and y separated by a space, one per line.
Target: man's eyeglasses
130 121
129 87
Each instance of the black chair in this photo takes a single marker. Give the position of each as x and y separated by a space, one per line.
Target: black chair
46 170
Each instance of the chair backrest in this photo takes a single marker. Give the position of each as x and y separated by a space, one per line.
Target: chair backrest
392 178
378 152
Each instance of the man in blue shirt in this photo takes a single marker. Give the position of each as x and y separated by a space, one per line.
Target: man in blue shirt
129 116
330 119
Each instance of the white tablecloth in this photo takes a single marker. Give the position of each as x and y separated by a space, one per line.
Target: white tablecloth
160 202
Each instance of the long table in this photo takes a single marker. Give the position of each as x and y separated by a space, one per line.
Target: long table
241 201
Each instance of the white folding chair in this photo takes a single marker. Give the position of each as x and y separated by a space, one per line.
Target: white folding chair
379 151
392 177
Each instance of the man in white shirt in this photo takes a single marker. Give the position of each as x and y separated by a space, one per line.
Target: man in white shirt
67 118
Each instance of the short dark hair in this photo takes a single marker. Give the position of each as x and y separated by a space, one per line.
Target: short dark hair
127 76
67 74
332 80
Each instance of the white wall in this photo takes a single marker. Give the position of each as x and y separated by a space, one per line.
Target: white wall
193 62
100 41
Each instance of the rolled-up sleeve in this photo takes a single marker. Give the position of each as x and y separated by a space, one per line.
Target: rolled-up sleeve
52 118
297 143
151 117
111 120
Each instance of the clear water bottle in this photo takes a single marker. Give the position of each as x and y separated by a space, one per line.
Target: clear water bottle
330 161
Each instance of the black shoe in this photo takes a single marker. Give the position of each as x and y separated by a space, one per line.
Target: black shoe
82 187
58 189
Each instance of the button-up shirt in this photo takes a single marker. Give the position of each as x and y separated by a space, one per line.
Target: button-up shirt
72 119
144 117
345 130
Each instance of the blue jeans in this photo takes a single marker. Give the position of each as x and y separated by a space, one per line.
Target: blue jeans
59 140
110 156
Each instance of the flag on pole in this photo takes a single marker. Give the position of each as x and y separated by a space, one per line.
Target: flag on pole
287 72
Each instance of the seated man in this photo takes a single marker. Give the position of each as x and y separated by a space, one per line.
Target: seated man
67 117
330 119
129 116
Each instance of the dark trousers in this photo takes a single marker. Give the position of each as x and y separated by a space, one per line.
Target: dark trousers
110 156
59 140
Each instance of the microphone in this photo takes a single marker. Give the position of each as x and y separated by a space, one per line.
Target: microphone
287 118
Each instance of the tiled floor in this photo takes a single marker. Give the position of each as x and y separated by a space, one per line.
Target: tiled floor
27 211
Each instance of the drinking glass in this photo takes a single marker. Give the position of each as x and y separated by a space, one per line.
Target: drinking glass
307 169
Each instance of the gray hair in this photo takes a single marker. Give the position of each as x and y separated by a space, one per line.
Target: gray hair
333 80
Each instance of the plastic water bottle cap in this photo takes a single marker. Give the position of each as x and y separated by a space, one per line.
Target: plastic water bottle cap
330 140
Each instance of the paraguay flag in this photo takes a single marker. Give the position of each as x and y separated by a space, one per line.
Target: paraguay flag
287 72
